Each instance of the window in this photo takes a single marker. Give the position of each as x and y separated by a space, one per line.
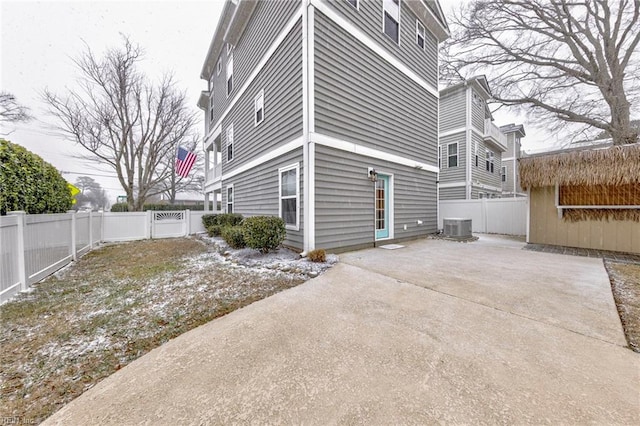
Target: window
229 48
230 143
219 66
503 173
475 152
353 3
481 195
230 199
259 108
391 19
229 75
211 107
489 161
420 34
452 154
289 195
439 157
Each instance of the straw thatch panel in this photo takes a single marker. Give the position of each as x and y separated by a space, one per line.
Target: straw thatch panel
600 195
617 165
577 215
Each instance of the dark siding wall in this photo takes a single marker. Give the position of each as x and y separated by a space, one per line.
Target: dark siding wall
453 110
256 192
361 98
281 80
368 19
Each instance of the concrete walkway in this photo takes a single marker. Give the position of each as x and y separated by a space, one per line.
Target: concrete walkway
436 332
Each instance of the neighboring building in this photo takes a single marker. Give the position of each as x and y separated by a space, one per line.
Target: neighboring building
587 198
509 171
325 113
471 146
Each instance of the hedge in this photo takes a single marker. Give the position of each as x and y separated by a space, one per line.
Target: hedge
264 233
233 236
29 183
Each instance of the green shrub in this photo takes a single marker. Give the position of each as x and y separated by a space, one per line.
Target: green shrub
120 207
29 183
215 230
233 236
317 255
264 233
229 219
209 219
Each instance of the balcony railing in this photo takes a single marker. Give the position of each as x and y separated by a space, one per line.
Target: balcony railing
492 132
214 173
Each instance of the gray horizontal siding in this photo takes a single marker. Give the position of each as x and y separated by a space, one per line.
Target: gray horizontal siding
345 199
453 110
453 174
478 112
480 173
264 26
456 193
257 194
368 19
281 80
361 98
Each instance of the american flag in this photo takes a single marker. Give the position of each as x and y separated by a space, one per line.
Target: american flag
184 162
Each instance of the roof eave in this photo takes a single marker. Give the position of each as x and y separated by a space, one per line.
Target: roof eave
437 25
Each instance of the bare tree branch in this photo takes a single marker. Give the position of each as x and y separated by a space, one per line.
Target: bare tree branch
123 120
574 63
10 110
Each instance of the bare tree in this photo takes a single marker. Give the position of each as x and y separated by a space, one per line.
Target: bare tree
10 110
124 120
575 62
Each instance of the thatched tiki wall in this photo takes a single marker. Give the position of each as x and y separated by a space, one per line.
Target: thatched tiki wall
598 192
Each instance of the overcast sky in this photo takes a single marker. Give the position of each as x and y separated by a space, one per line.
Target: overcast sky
39 38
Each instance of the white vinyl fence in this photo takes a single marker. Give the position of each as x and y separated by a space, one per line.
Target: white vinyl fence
491 216
34 246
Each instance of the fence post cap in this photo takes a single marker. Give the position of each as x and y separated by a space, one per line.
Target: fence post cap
17 213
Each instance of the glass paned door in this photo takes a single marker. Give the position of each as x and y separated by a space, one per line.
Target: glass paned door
382 207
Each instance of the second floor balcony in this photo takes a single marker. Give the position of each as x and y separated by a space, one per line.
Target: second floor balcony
493 134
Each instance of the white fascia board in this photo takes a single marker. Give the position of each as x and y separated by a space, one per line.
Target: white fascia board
354 148
274 153
212 136
452 184
277 42
453 132
373 45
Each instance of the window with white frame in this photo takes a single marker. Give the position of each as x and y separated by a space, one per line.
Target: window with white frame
353 3
420 34
503 173
229 74
229 48
391 19
289 195
259 108
219 66
475 152
452 154
230 199
489 158
439 157
230 143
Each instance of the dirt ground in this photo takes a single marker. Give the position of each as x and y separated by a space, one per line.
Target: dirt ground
625 284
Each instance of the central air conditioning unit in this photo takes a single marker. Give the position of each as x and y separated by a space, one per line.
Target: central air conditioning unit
457 228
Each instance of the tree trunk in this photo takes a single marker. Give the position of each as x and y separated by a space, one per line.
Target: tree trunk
621 131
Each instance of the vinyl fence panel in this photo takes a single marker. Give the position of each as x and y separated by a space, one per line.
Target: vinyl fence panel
492 216
83 233
10 283
126 226
47 244
195 224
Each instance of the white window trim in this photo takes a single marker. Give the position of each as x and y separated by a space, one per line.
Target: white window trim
233 201
229 48
232 138
457 155
421 32
439 157
503 174
296 167
211 105
229 75
219 66
392 213
260 96
397 19
357 6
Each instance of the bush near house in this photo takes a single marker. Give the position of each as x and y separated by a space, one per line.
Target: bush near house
209 220
29 183
264 233
233 236
214 230
229 219
317 255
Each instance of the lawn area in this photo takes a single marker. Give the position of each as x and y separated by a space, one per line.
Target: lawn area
112 306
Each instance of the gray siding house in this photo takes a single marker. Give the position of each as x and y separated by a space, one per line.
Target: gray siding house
471 146
325 113
509 172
